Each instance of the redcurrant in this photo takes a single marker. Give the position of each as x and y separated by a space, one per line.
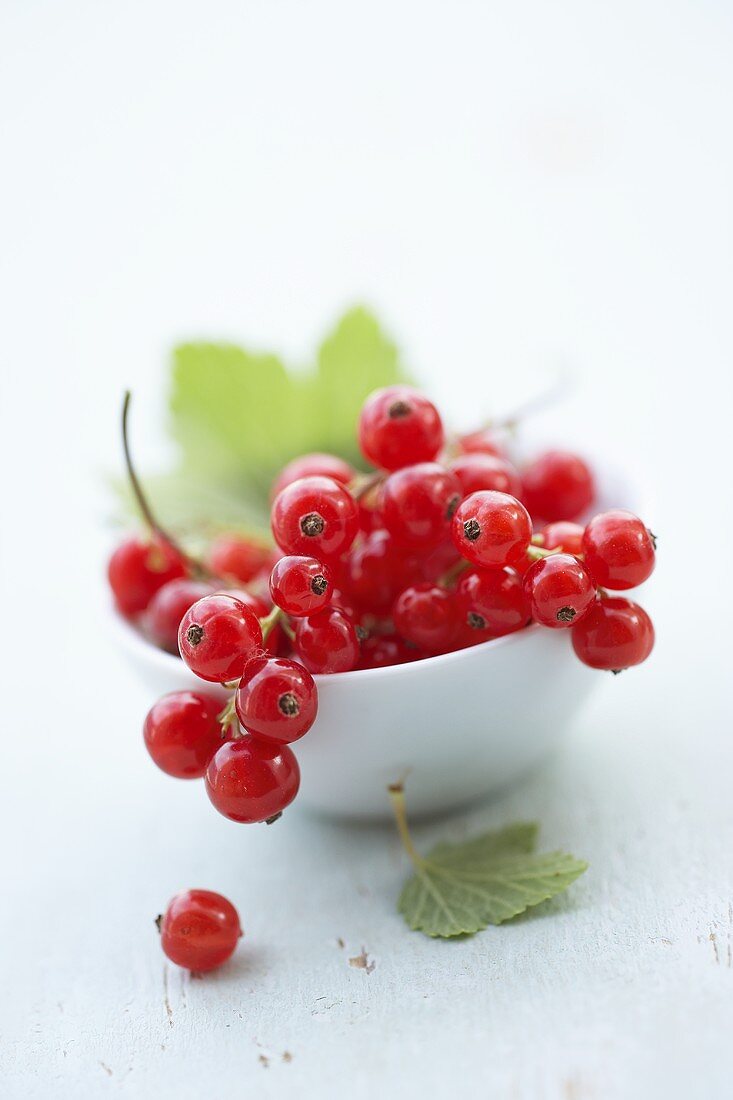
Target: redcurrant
485 441
138 568
182 732
315 516
217 635
327 642
398 427
313 465
618 550
418 503
558 485
300 585
477 470
277 699
199 930
168 606
491 528
562 536
427 616
238 558
382 650
375 571
492 601
249 780
615 634
559 589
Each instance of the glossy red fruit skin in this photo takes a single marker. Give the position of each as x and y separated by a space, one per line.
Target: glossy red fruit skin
382 650
427 616
375 571
327 642
614 635
418 503
138 568
491 529
492 601
317 464
301 585
277 641
619 550
558 485
485 441
563 535
559 591
477 470
217 636
199 930
238 558
315 516
168 606
182 732
277 700
398 427
249 780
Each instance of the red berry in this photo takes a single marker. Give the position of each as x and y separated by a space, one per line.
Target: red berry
382 650
276 643
615 634
558 485
138 568
563 536
436 563
182 733
399 426
300 585
315 516
199 930
491 528
375 572
492 601
327 642
217 636
238 557
418 503
249 780
313 465
560 590
485 441
619 550
277 699
427 616
168 606
476 471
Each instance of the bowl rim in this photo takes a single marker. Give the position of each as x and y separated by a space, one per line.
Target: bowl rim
134 638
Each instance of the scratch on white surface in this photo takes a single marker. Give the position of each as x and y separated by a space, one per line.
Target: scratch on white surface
575 1088
166 998
361 962
106 1068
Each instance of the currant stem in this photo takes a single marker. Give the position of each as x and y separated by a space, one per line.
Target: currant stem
396 793
227 717
454 573
360 487
534 553
270 621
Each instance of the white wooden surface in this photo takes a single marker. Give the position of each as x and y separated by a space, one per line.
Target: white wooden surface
176 170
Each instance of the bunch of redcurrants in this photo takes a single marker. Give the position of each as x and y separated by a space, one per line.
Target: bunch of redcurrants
433 552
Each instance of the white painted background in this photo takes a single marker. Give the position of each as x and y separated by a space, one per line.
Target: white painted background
514 186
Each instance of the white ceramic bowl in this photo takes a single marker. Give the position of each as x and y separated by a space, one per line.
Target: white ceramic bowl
457 726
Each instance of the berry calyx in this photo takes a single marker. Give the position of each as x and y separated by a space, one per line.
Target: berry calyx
619 550
427 616
315 516
217 636
478 470
559 590
327 642
249 780
418 503
492 601
301 585
277 699
614 635
398 427
168 606
182 733
491 528
558 485
199 930
316 464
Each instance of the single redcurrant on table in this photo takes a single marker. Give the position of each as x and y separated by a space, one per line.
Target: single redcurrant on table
427 616
491 528
138 568
327 642
315 516
559 590
277 699
168 606
217 636
313 465
614 635
249 780
398 427
238 558
300 585
199 930
182 732
619 550
477 470
492 601
558 485
418 503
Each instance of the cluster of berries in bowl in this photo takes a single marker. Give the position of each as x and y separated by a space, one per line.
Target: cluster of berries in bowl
444 546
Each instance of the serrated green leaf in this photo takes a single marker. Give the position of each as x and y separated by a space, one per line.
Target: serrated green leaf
462 888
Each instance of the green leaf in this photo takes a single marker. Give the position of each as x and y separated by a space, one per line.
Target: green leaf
461 888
